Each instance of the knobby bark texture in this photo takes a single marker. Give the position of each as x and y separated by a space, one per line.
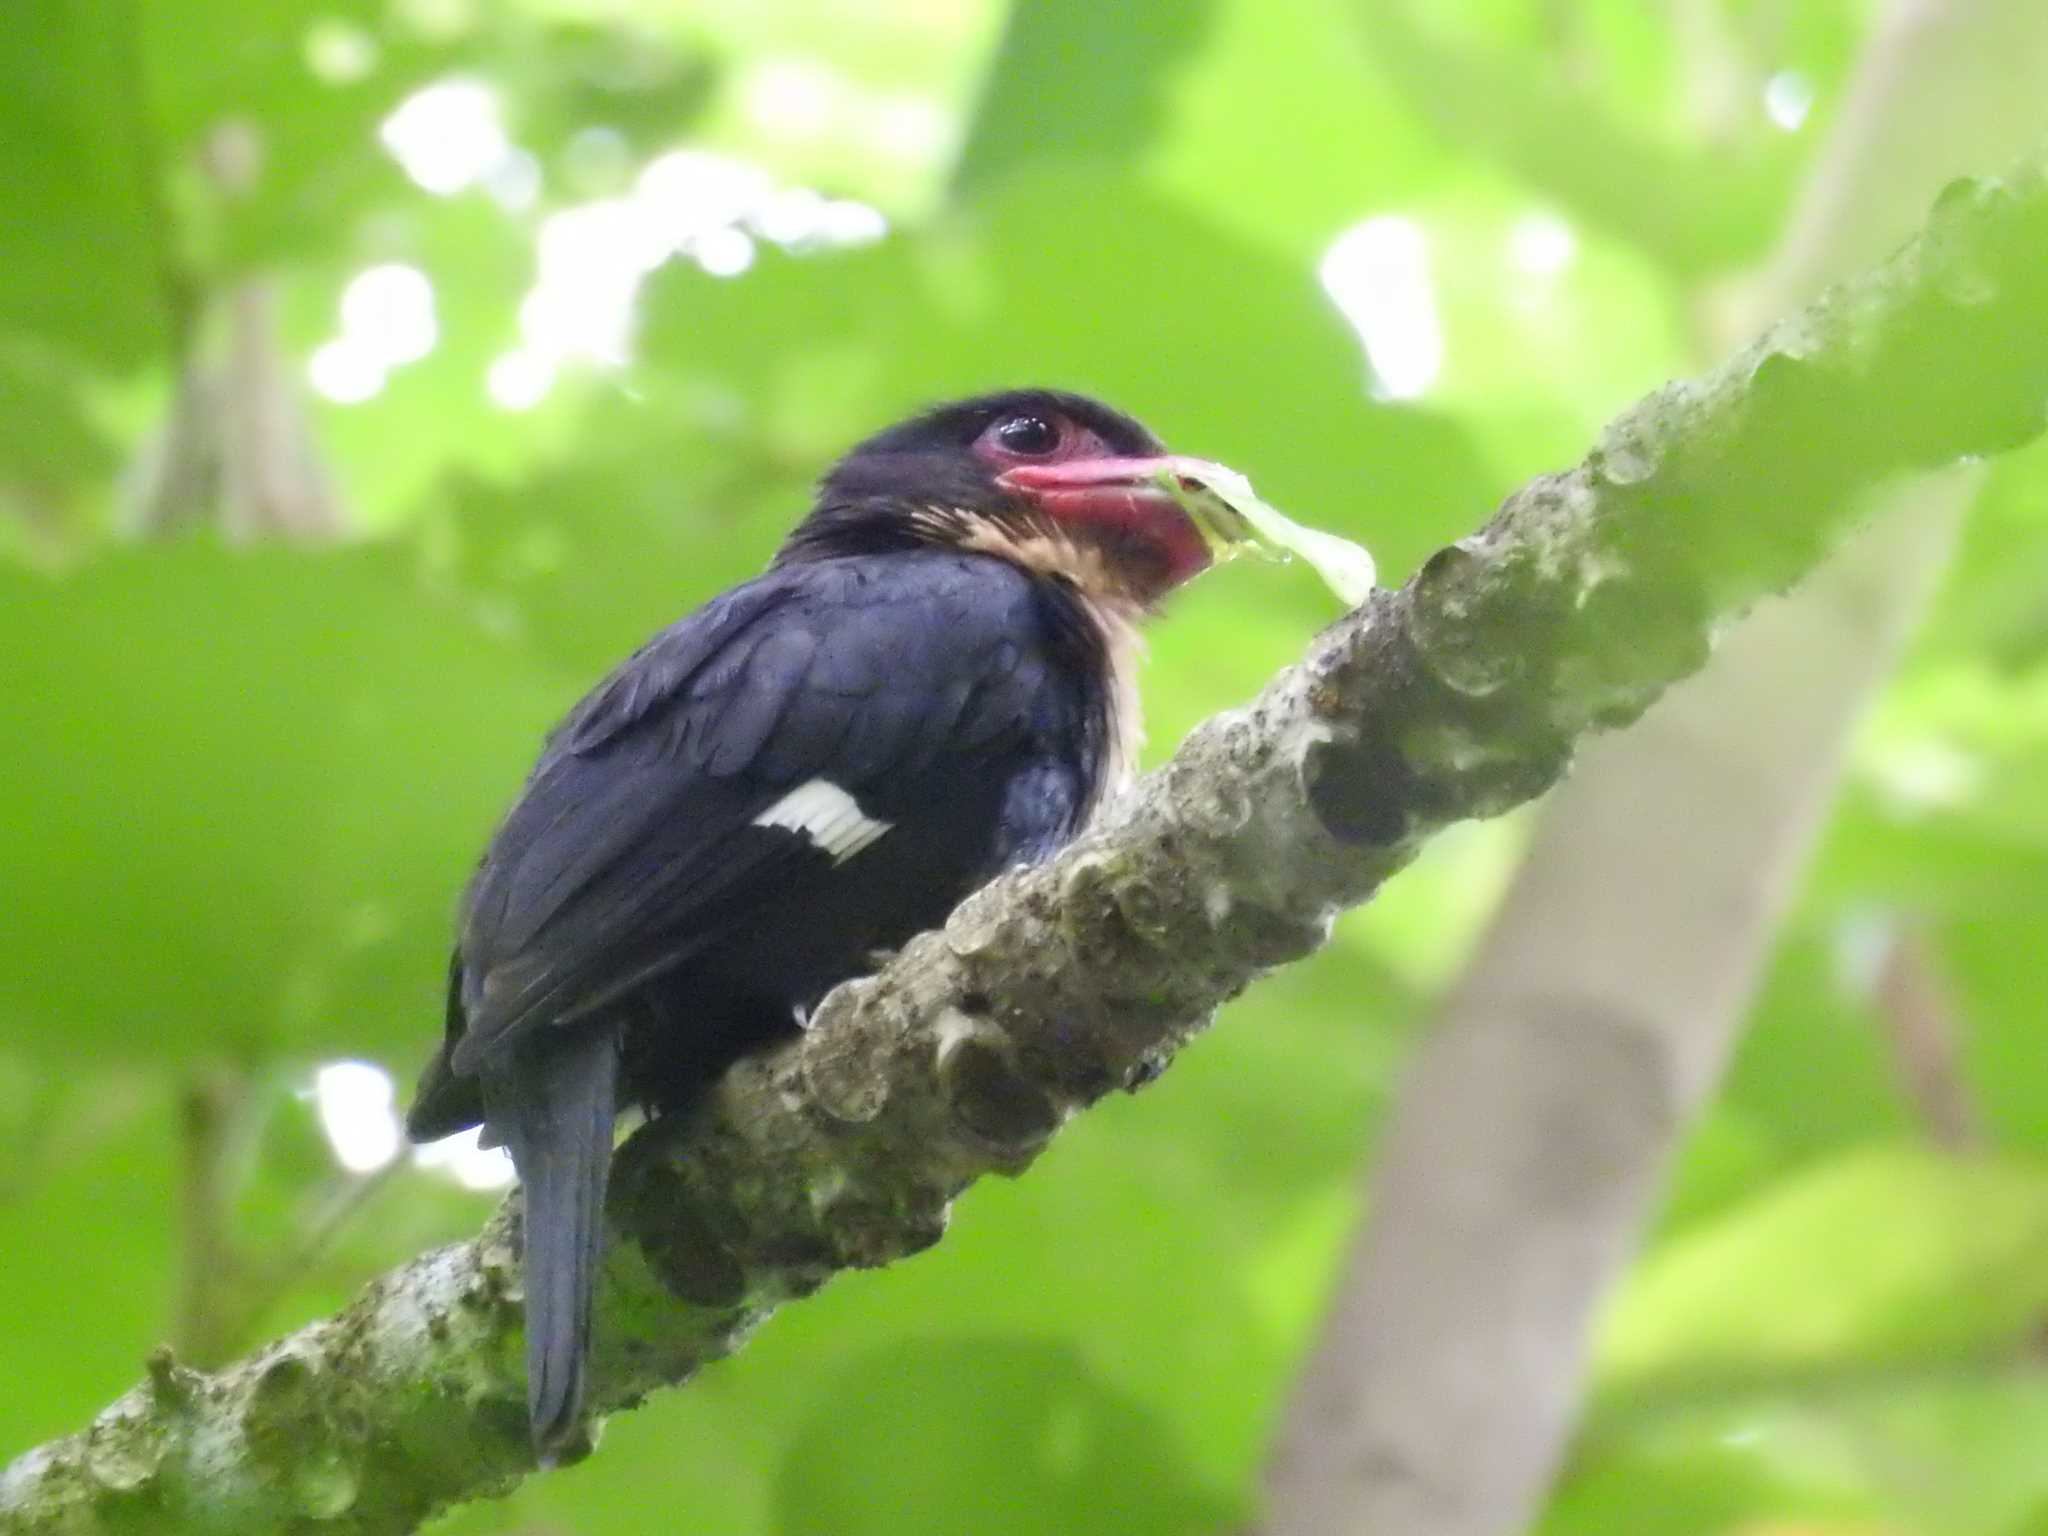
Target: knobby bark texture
1459 695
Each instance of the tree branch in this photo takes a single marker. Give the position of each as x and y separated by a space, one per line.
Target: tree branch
1459 695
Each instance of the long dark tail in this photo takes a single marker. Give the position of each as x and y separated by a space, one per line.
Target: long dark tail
554 1111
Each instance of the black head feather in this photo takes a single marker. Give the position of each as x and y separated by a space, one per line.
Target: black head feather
866 502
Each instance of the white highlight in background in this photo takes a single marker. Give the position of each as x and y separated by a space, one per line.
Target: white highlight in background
1916 777
689 191
1542 245
912 128
387 321
471 1166
339 52
1378 274
1788 97
345 371
515 182
448 135
357 1104
519 380
723 252
1862 942
389 310
844 222
594 256
792 98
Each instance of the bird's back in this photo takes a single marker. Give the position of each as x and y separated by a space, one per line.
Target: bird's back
805 771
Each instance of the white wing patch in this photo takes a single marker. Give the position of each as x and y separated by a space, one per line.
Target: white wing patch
826 814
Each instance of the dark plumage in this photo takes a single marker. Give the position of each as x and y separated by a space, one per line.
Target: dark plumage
931 683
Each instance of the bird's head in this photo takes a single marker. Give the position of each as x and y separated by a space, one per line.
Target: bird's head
1056 482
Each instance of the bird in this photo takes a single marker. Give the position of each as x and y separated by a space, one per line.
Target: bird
932 681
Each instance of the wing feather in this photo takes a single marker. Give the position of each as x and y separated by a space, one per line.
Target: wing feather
633 845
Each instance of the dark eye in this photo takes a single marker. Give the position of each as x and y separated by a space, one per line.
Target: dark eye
1028 435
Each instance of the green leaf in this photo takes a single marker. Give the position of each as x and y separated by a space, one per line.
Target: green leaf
48 443
1697 1484
90 1231
1077 81
250 784
1882 1254
1812 1069
79 254
987 1434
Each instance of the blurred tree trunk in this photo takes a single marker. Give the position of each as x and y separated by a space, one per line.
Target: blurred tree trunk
1530 1139
236 450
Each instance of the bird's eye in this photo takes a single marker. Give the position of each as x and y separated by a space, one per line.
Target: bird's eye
1031 436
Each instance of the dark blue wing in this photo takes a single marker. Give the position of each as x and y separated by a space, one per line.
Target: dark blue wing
634 844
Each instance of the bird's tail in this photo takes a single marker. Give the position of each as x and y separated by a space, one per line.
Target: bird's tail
557 1120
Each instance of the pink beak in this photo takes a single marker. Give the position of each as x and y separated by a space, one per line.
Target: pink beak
1123 500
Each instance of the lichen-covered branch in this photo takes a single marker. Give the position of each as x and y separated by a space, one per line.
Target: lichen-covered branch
1459 695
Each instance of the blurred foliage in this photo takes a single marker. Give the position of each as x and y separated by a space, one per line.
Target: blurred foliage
244 783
